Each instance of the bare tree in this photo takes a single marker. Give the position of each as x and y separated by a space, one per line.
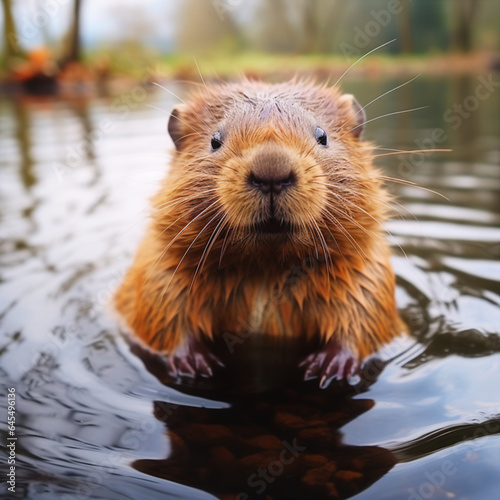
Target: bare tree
11 41
73 53
465 14
405 27
301 26
200 26
273 26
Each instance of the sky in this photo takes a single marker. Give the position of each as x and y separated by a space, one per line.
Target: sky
102 20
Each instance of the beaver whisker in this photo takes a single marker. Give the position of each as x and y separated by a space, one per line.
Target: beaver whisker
181 231
180 216
348 191
184 199
351 219
242 237
209 245
187 125
412 184
399 205
333 237
348 215
317 231
189 135
187 154
372 217
392 205
387 149
310 150
326 251
174 203
389 205
405 151
201 76
351 239
186 252
311 234
376 99
189 82
175 221
382 116
183 102
359 60
383 227
347 200
223 247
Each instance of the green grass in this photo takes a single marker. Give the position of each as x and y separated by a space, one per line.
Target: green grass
136 62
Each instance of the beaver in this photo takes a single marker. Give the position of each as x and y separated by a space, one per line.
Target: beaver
263 178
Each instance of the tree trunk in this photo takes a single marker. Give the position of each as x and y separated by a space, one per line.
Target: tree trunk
74 54
309 26
11 41
404 26
465 20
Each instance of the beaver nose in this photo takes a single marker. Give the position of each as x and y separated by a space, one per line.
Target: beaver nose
271 170
266 185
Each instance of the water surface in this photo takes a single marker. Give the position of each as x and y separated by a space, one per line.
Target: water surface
96 419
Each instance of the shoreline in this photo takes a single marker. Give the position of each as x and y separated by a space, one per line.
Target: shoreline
89 82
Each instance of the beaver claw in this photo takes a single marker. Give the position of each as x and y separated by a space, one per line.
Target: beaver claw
192 359
332 361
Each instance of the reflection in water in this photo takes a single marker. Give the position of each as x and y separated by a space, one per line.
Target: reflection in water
86 147
96 419
465 115
23 131
285 444
279 435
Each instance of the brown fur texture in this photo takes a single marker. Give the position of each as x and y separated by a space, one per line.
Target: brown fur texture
204 267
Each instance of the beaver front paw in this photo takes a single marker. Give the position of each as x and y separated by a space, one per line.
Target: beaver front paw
332 361
192 359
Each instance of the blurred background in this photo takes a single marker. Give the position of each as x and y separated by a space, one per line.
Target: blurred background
86 41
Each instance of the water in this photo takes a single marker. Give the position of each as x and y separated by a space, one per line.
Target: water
94 420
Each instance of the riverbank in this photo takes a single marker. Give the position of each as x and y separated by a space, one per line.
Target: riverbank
114 72
272 65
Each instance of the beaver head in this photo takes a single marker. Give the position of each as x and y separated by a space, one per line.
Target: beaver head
271 169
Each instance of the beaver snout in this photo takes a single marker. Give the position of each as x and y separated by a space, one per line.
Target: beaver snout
270 184
271 169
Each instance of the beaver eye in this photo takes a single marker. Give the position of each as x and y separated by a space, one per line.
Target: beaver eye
321 137
216 141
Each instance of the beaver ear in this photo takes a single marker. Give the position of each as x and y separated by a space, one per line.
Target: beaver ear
177 127
356 114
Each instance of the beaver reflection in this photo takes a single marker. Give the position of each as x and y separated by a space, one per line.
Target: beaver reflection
274 442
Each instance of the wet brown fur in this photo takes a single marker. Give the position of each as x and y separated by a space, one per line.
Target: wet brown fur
202 271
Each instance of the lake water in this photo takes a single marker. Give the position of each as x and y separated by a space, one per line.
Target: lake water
95 419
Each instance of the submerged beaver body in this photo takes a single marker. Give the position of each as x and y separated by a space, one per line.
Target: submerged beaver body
264 179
